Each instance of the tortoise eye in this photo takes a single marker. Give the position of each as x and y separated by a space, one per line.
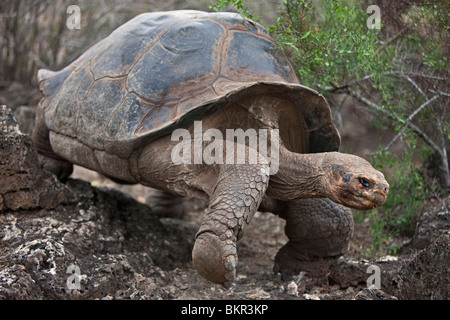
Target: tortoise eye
364 182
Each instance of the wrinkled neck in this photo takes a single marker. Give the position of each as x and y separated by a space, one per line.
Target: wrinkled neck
299 176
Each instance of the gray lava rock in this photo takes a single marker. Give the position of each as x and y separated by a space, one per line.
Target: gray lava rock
346 272
427 275
104 245
23 185
74 241
431 224
372 293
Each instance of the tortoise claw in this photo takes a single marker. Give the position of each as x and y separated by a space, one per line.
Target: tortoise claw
215 259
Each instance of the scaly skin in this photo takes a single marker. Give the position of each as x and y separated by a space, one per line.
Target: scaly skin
234 202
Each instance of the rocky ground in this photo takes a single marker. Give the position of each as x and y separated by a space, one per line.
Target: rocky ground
92 239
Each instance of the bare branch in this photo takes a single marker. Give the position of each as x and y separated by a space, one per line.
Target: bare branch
416 86
368 102
388 146
406 75
419 132
422 75
408 121
440 92
421 107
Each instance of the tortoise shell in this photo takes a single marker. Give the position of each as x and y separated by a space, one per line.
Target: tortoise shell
163 70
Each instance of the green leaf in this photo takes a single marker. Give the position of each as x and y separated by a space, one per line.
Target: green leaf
306 35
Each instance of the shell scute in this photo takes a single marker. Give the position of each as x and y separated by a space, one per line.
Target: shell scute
62 113
255 58
104 98
163 70
182 56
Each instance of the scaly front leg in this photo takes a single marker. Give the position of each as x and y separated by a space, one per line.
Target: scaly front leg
237 195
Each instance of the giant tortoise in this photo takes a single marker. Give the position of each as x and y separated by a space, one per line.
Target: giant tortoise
116 108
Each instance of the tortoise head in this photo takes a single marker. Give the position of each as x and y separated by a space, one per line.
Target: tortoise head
354 183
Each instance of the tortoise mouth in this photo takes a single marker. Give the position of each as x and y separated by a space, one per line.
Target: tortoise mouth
372 200
362 200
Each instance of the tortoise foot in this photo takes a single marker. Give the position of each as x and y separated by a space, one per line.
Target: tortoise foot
215 259
166 205
290 261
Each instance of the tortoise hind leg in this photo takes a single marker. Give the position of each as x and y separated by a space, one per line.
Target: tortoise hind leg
48 159
233 203
165 204
317 229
